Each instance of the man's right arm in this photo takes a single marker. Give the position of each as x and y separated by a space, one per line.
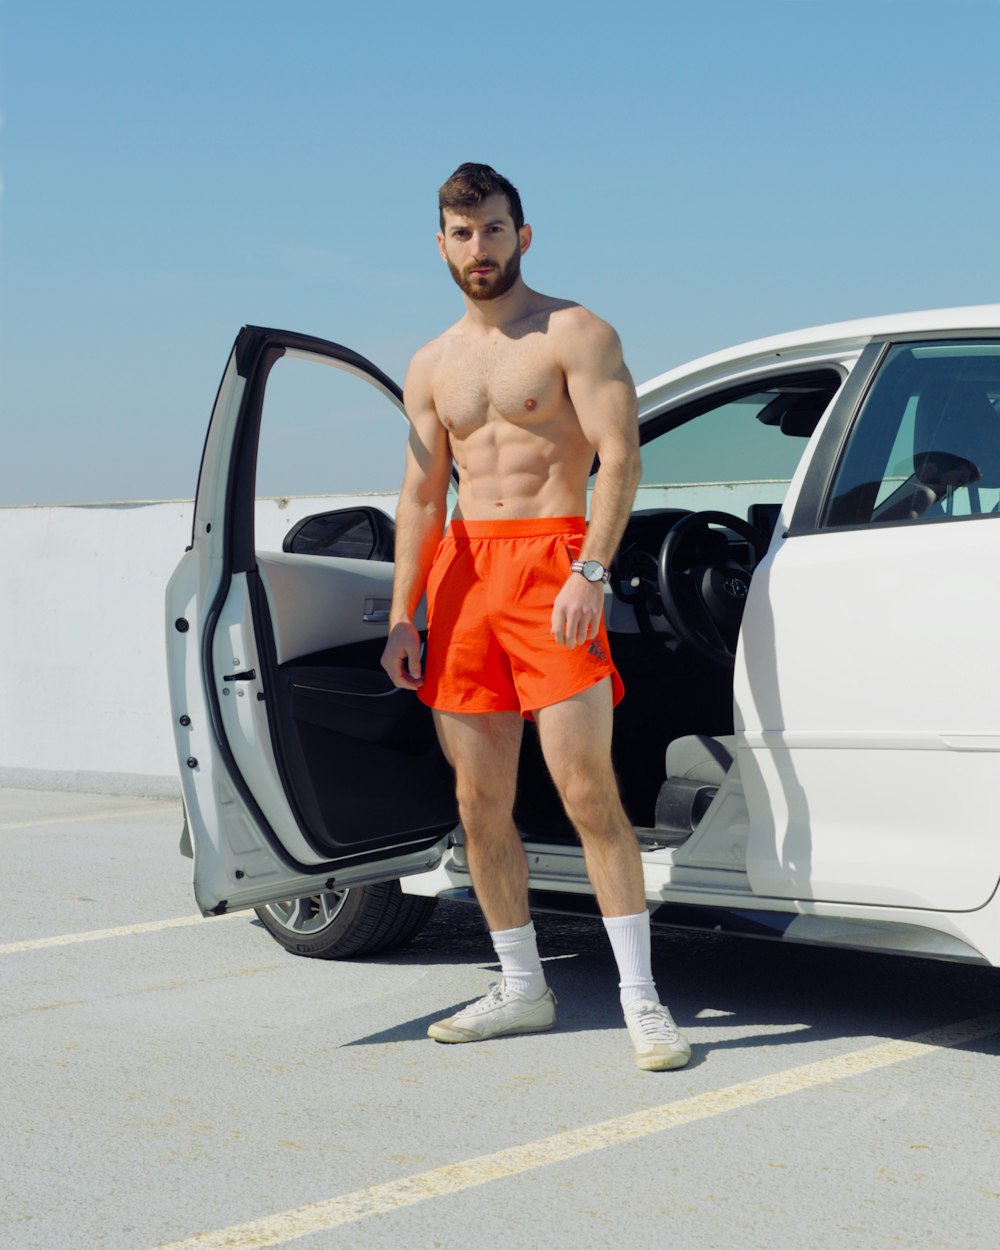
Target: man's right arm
420 519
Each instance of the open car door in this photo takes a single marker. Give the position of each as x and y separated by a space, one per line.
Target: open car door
302 766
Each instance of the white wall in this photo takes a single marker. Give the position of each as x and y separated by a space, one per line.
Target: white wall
83 690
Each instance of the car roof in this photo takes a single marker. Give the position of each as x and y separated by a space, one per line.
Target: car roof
837 335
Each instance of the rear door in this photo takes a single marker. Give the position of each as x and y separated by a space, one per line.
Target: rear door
302 766
868 682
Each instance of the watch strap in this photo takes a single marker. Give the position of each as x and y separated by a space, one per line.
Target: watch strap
579 566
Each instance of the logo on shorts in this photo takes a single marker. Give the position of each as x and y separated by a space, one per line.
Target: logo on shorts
597 651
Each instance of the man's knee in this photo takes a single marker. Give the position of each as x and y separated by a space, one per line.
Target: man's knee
591 799
482 805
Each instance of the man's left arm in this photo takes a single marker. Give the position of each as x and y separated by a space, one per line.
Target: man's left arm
603 395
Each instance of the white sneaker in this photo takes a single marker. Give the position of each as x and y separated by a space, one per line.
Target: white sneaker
498 1013
658 1042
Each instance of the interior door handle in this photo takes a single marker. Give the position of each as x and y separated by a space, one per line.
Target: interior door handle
249 674
376 610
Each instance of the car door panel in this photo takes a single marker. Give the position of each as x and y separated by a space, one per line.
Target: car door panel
316 602
310 768
867 687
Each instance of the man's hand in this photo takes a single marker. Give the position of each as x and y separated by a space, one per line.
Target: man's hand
577 611
401 657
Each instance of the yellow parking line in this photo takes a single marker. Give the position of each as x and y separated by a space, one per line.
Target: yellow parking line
318 1217
97 935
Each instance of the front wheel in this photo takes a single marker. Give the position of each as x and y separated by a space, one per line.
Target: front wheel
340 924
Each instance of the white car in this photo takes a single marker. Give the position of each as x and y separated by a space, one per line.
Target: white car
811 753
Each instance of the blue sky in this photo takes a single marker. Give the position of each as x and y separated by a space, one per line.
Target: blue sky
697 173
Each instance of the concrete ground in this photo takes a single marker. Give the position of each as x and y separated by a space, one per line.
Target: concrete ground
174 1081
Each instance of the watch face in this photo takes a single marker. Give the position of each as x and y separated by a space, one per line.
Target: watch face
593 570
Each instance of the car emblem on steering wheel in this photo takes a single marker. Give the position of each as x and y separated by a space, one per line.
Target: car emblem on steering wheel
735 587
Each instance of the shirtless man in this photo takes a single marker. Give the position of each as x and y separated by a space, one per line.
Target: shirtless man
521 392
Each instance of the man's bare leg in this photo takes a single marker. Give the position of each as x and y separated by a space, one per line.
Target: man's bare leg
576 742
483 749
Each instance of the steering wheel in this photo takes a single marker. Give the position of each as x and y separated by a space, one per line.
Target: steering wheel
703 589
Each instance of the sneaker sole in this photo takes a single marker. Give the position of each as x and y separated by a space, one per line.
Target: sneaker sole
448 1033
661 1063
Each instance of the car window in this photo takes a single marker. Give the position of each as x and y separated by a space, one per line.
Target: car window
328 439
926 444
735 454
324 430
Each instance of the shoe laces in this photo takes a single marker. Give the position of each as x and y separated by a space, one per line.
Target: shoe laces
655 1024
495 996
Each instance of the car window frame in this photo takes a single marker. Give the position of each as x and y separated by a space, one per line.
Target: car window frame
661 421
813 502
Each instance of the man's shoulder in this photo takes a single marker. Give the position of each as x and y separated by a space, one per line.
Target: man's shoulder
574 325
428 363
427 357
424 360
569 316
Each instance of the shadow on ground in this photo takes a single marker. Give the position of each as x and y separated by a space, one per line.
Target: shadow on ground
765 993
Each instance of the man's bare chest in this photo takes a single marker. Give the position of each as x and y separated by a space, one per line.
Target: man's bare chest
517 381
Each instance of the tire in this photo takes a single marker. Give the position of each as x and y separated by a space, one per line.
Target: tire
342 924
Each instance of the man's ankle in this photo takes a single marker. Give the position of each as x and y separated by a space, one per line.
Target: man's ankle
630 942
517 951
638 993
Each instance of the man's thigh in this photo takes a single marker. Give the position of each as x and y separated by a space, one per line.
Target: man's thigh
575 734
482 747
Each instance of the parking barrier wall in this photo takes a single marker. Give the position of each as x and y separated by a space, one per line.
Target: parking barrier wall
83 685
83 688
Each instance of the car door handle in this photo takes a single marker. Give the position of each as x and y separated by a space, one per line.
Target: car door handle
376 610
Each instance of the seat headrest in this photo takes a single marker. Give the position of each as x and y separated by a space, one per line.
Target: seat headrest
955 421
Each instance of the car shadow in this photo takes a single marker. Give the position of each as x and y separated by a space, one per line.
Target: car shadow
744 992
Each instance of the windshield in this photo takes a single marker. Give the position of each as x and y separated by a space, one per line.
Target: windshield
741 452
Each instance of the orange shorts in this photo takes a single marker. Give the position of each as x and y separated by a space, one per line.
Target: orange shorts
489 619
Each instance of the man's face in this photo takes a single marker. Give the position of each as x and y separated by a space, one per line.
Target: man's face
482 248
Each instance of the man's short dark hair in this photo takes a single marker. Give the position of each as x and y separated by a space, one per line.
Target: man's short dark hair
470 184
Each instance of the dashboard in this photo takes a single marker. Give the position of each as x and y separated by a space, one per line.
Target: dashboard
635 573
634 570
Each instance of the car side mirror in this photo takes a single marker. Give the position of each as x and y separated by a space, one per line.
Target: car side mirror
350 533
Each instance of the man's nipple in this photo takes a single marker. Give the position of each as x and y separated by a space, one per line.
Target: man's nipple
531 404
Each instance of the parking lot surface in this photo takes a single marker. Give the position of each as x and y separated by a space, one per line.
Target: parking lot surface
177 1082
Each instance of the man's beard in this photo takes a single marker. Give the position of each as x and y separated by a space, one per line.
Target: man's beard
502 278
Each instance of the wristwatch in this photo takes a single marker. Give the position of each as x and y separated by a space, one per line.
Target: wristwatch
592 570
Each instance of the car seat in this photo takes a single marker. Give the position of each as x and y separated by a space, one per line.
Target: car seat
956 440
696 766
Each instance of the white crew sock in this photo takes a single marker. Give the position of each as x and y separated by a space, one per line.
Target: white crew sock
518 954
629 936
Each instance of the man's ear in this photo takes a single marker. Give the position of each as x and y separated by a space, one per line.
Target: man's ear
524 236
444 254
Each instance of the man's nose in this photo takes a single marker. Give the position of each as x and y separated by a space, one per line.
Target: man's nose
479 244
